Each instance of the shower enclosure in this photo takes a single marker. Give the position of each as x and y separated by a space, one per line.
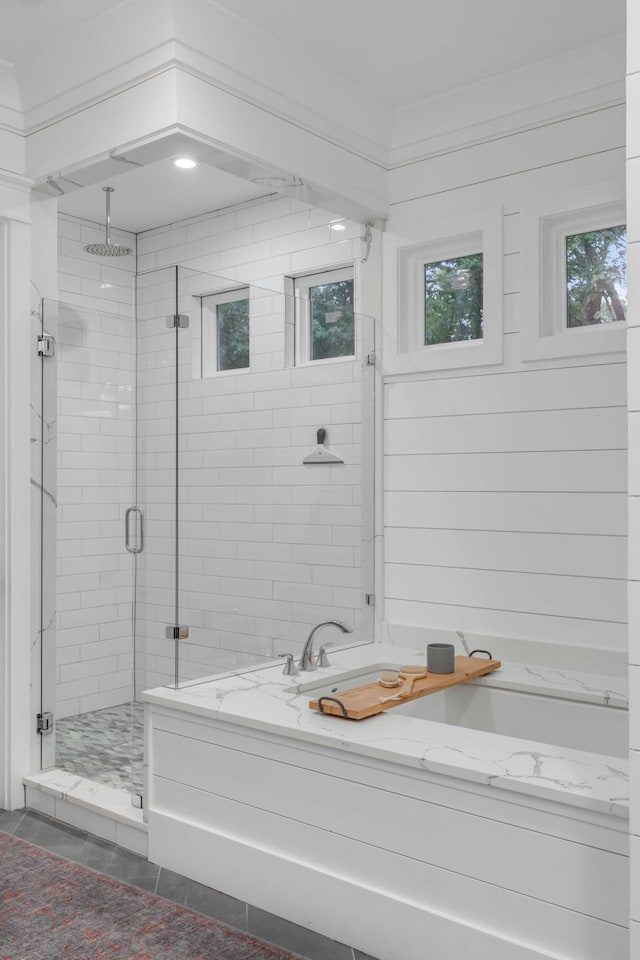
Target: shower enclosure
181 533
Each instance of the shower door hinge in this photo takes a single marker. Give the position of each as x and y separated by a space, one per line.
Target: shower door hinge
178 320
46 345
136 801
370 599
371 359
176 633
44 723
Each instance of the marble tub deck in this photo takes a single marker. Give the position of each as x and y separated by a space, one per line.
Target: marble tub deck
265 700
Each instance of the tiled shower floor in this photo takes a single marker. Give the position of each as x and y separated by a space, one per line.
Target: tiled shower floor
105 746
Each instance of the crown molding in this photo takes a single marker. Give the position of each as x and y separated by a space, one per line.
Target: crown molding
11 118
203 39
579 81
15 197
173 55
557 111
196 38
16 181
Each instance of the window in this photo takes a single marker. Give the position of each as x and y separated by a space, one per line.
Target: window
325 319
453 300
596 276
225 331
443 301
574 273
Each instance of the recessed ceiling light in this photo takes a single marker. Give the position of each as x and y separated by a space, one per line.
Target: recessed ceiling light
338 226
185 163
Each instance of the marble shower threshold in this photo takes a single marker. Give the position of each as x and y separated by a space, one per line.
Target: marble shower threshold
104 811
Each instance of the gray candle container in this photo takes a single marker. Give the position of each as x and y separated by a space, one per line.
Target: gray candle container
440 658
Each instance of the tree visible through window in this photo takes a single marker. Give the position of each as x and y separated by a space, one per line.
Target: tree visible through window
453 299
332 329
596 264
225 330
233 335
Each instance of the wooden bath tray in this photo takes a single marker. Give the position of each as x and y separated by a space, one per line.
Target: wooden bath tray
362 702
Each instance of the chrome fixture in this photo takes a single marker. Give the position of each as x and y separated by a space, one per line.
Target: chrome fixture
44 723
367 237
290 669
322 660
135 543
107 249
306 660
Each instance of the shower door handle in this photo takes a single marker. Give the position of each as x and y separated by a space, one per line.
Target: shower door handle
138 530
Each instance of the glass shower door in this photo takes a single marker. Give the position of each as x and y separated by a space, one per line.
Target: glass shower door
160 329
269 543
84 392
247 544
44 517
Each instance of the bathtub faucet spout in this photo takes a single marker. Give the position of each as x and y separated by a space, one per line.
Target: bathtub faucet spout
306 660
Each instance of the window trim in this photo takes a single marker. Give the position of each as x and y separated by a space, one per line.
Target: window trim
472 231
209 332
545 227
302 313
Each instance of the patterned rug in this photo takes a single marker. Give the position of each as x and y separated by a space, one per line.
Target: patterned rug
52 909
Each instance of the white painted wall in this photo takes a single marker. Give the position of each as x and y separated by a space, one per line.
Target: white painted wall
506 484
15 584
95 450
633 357
268 546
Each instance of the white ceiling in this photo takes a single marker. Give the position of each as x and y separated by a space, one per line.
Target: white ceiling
404 51
159 193
397 51
30 24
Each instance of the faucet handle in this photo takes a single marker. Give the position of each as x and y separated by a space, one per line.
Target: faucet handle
290 669
322 660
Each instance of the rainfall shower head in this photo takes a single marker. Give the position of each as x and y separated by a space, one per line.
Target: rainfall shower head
107 249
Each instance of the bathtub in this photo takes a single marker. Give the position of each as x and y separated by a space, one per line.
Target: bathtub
575 724
488 820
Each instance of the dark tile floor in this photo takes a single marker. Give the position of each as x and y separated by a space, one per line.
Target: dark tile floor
130 868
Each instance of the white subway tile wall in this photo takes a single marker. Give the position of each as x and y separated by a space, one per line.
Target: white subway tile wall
95 365
268 546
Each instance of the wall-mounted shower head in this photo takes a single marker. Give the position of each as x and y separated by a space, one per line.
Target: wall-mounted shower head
107 249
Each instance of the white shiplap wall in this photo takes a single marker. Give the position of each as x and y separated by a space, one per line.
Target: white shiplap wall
505 487
95 367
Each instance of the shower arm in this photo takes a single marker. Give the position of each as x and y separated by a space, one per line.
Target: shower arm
108 191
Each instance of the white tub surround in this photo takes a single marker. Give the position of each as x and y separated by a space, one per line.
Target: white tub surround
432 832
